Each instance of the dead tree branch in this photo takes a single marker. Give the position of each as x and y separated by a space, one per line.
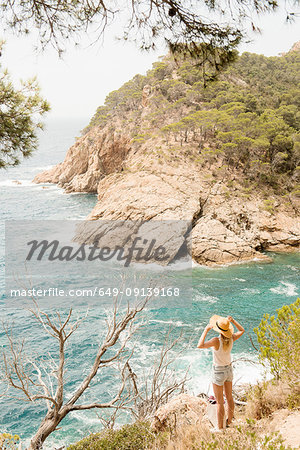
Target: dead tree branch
45 379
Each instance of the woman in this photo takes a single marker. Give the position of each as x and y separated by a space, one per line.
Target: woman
222 369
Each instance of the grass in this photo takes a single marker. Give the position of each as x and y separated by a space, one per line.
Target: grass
266 397
138 436
245 437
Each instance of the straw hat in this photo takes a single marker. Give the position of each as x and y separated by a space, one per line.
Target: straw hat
221 325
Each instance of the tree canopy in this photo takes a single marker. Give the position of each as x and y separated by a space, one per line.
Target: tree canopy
20 113
146 21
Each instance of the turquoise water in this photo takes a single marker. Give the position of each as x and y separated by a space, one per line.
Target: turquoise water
245 291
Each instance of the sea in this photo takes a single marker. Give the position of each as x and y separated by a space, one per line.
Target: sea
245 291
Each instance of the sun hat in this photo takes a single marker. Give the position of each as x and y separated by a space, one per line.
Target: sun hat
221 325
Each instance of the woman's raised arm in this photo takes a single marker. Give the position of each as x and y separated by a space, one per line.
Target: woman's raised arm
240 331
211 343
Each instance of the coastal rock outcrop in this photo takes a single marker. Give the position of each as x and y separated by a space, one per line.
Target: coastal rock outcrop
92 157
136 187
222 230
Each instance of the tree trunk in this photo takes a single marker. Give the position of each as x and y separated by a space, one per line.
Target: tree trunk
46 428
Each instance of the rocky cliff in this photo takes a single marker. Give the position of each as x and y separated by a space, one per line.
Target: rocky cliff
141 173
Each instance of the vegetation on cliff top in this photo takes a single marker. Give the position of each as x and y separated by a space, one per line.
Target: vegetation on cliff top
140 437
248 118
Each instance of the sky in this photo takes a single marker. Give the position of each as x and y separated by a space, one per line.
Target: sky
77 84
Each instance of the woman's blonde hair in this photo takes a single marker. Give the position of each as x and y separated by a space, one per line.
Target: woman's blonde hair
226 342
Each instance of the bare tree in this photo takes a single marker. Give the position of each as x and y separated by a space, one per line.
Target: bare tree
157 386
45 380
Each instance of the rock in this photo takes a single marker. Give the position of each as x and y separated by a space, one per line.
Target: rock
181 410
146 95
213 242
93 156
295 47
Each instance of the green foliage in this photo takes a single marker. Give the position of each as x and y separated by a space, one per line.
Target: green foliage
269 205
141 137
138 437
127 98
279 341
8 441
20 113
130 437
100 118
248 119
181 25
161 70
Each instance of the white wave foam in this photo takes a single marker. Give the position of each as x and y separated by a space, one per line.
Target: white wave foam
285 288
250 290
21 183
205 298
42 167
177 323
181 264
84 418
17 183
82 193
239 279
36 168
244 372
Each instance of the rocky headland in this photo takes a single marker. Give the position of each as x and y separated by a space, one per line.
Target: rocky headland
157 151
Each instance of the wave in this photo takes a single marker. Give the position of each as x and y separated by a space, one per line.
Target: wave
205 298
84 418
17 183
245 371
33 169
295 269
251 290
177 323
285 288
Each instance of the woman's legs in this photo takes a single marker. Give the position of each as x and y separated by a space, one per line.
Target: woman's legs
218 391
230 402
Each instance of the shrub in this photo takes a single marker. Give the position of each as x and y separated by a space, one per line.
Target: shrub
279 341
129 437
266 397
279 346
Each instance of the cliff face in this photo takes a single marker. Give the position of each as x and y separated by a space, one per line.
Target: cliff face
140 175
91 158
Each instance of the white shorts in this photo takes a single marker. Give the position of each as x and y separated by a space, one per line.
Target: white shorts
220 374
